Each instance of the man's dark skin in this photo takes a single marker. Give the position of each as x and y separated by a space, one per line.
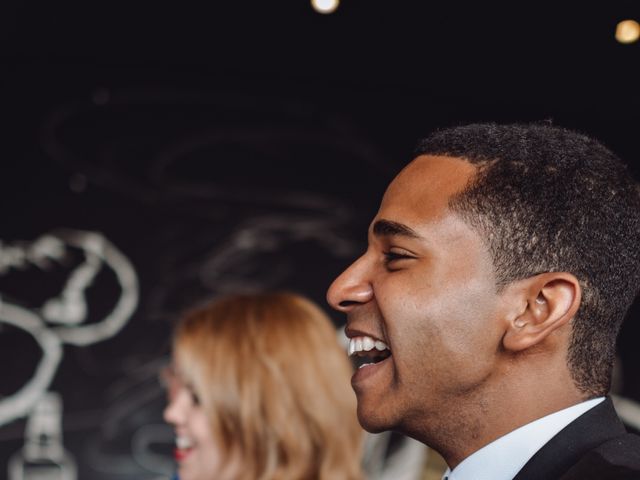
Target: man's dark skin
470 361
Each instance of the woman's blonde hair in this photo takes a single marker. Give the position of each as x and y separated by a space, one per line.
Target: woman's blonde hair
274 382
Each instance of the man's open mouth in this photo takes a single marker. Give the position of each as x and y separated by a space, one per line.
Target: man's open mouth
365 351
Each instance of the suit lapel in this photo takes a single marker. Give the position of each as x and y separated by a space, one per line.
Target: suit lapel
585 433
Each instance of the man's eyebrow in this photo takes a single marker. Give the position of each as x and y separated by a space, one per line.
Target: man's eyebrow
385 228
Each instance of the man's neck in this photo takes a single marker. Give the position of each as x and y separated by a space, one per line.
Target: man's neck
479 421
503 458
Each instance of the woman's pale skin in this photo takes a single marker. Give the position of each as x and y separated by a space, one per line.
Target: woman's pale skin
196 452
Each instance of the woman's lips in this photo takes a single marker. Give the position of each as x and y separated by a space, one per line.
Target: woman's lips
181 453
184 446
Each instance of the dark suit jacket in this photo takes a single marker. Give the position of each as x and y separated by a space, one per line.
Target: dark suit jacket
595 446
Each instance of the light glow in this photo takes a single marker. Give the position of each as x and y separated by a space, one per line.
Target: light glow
325 6
628 31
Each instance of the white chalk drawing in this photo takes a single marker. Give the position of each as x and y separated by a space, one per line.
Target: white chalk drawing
60 320
70 308
44 456
41 253
20 403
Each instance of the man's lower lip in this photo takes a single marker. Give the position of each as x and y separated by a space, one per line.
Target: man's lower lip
367 371
180 453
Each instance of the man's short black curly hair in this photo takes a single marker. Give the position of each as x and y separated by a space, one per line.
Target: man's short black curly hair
550 199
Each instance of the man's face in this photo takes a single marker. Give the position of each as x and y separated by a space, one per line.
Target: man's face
426 288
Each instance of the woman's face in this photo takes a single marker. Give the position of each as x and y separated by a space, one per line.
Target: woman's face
196 450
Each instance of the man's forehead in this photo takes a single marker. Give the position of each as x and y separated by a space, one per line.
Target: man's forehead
436 172
427 183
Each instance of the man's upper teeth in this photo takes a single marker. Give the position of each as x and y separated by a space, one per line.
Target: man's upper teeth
365 344
183 443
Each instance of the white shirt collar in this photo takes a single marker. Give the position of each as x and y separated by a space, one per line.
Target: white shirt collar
503 458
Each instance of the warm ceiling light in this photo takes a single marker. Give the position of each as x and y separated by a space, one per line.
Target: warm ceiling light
628 31
325 6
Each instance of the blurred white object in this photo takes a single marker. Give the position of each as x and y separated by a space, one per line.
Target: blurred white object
43 456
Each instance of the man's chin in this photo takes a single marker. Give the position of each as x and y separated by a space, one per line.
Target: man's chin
373 422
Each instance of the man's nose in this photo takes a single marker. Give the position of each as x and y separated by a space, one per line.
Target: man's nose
352 287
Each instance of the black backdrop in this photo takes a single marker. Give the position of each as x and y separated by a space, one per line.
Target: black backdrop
240 148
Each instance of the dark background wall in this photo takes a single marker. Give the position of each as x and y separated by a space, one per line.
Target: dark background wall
243 146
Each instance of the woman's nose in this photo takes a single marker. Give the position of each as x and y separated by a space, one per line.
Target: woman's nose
352 287
175 411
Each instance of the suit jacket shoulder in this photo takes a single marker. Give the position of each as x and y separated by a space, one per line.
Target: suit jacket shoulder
618 458
594 446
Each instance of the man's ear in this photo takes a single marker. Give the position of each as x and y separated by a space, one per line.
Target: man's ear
546 302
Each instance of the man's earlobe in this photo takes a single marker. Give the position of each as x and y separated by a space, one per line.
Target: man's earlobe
549 302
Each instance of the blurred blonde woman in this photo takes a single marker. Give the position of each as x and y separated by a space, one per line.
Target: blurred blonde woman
259 389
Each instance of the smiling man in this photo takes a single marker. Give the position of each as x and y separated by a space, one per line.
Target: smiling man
486 307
